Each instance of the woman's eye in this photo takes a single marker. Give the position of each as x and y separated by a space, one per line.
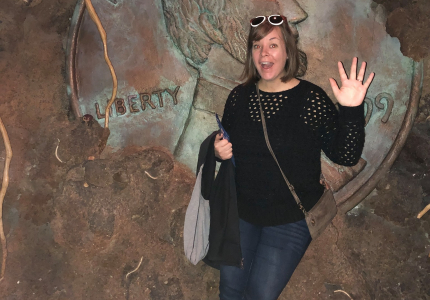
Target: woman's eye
256 46
273 46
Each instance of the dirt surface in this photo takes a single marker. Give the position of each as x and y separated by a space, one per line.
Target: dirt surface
76 228
79 226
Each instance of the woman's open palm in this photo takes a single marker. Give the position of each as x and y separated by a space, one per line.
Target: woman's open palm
353 89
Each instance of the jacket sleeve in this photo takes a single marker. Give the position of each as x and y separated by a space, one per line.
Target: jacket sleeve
207 159
342 133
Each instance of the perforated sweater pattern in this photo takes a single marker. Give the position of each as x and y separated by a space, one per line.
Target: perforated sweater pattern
301 122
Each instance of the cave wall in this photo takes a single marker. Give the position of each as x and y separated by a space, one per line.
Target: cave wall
76 229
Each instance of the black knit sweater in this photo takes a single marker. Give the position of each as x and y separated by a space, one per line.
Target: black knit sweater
301 122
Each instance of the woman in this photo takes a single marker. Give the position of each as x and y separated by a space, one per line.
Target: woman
301 121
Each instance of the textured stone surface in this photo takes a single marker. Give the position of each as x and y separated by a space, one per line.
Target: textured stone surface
68 241
149 70
408 21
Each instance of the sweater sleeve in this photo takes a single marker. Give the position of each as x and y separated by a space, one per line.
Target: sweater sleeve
230 109
342 133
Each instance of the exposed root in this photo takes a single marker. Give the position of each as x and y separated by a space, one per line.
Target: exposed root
56 152
95 18
3 193
138 266
423 212
150 176
103 140
343 292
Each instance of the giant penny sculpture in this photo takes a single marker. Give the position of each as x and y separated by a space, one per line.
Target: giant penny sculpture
177 60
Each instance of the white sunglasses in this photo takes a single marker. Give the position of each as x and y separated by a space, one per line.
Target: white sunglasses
273 19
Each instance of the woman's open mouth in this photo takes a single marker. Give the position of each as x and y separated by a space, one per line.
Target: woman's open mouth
266 65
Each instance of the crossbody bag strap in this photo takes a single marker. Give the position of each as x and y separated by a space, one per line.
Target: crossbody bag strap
290 186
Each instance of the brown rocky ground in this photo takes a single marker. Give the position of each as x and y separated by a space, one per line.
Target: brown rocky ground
67 240
407 20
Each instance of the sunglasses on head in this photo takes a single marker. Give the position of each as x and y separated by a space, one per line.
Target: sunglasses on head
273 19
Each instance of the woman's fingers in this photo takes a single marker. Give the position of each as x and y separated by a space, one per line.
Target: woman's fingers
342 73
334 86
218 137
369 80
353 72
226 154
223 148
221 143
360 76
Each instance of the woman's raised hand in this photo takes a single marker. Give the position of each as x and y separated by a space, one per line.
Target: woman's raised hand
223 148
353 89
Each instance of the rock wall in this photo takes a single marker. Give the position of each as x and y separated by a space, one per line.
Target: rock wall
76 229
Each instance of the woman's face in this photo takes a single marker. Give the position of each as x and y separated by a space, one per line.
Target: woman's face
269 56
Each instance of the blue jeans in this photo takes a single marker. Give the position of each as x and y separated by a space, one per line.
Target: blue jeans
271 254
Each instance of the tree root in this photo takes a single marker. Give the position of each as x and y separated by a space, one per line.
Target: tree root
137 268
150 176
102 32
3 193
343 292
423 212
56 152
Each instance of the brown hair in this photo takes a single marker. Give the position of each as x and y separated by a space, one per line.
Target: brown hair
296 62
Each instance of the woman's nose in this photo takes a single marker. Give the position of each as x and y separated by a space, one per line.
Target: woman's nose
292 10
263 51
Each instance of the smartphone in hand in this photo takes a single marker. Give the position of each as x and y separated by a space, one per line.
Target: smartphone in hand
224 134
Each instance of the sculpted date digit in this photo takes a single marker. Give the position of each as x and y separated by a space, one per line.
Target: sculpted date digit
369 107
390 104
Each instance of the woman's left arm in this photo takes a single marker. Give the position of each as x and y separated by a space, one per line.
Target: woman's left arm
343 133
